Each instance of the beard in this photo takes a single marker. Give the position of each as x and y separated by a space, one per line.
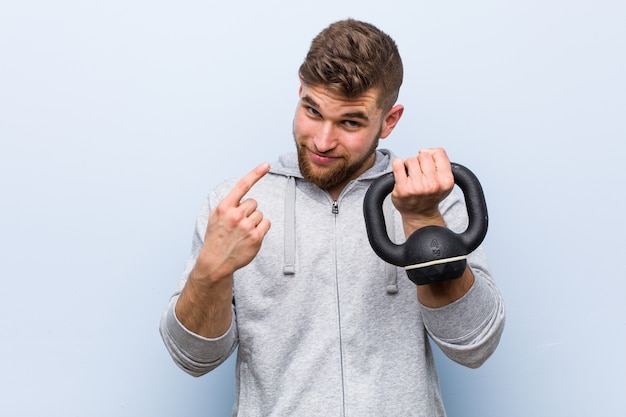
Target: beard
341 172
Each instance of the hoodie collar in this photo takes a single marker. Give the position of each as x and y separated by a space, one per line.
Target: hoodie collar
287 166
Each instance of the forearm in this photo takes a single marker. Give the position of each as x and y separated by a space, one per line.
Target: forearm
196 328
204 306
438 294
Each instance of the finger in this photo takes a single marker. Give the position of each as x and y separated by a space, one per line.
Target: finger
414 168
442 162
264 226
255 217
438 156
245 184
249 205
399 169
427 163
443 168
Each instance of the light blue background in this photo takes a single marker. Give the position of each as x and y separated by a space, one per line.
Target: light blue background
118 117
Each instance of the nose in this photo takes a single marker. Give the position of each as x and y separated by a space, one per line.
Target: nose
326 138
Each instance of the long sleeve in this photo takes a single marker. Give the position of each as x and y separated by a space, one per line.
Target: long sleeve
195 354
468 330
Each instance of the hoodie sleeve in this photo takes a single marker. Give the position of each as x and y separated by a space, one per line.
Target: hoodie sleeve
469 329
193 353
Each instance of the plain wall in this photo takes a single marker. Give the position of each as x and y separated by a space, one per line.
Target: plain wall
118 117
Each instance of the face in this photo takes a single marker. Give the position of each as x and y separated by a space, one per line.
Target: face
337 137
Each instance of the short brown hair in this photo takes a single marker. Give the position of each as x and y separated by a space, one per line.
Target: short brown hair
350 57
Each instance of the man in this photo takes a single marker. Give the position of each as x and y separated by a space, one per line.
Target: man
325 327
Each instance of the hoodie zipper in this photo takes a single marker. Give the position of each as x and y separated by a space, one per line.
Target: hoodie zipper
335 211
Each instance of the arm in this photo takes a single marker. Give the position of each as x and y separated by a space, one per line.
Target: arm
198 325
465 316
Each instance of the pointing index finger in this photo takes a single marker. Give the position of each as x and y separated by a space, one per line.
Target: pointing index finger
245 184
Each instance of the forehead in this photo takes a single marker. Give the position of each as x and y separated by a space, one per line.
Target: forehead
330 103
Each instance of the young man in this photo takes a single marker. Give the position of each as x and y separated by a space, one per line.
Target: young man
325 327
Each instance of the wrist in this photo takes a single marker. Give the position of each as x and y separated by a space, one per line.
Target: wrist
204 281
415 222
206 272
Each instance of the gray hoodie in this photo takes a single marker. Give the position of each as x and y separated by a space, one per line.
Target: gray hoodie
323 326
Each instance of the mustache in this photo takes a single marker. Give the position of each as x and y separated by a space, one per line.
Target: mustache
330 153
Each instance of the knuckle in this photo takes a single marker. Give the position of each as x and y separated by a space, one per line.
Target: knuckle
220 210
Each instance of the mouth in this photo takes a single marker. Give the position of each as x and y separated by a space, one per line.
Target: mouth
321 159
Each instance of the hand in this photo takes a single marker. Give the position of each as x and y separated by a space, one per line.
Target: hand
421 183
234 233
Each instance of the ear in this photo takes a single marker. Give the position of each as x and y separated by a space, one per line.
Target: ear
391 120
301 87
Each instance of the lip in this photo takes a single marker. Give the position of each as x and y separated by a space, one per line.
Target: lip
321 159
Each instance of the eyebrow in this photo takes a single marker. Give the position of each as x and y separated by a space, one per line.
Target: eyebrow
350 115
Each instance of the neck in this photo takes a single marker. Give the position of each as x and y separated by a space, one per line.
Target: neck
336 189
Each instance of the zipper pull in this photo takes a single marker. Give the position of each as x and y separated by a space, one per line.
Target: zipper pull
335 207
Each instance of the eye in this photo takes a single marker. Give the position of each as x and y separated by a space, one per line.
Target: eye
351 123
313 112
